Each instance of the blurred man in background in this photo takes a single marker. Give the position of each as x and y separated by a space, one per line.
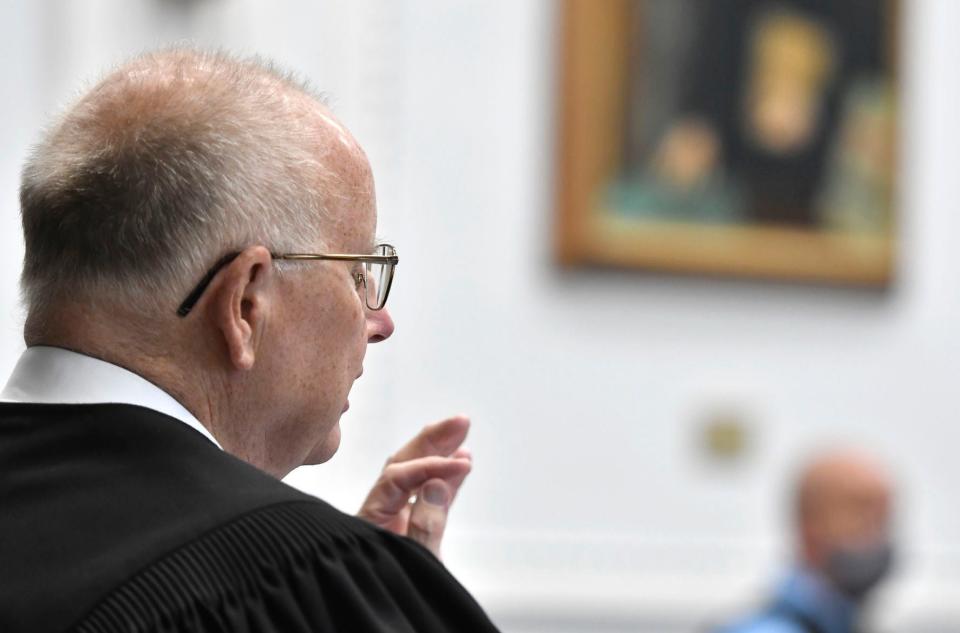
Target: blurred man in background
202 280
844 548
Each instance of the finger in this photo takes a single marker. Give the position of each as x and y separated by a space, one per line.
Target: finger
397 482
428 518
441 438
456 481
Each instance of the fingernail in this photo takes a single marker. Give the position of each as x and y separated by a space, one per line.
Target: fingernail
435 495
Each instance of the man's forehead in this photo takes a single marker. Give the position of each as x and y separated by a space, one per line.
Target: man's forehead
352 227
337 130
333 132
351 206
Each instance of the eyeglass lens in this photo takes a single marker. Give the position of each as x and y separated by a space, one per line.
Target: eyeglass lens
378 277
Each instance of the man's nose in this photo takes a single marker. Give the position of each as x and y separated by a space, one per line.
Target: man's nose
379 325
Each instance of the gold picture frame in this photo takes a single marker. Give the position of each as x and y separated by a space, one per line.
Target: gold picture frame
595 59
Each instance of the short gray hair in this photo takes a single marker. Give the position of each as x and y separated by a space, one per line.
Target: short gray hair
174 159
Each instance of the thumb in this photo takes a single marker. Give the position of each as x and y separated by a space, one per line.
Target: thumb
428 517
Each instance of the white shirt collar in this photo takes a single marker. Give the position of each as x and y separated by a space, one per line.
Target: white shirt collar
55 375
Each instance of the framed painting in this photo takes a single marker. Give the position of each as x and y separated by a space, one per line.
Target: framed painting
729 137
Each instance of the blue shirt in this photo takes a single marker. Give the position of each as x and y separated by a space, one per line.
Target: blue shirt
806 592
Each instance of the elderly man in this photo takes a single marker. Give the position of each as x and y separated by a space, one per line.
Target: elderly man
844 548
201 281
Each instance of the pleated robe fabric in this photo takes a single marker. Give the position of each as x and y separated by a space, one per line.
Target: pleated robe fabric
117 518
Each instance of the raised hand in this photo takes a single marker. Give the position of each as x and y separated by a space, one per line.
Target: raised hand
419 482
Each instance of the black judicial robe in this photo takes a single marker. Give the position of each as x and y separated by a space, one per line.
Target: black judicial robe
117 518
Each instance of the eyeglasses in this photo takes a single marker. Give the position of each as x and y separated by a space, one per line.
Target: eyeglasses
376 276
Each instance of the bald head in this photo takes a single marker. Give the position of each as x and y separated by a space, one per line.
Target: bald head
843 498
170 161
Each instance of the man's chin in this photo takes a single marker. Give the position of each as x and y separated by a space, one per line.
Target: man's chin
326 449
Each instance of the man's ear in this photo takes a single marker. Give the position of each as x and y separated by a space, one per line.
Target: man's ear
239 304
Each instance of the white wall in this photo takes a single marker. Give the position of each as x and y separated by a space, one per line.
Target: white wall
589 506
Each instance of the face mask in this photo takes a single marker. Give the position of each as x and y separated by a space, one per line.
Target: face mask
857 570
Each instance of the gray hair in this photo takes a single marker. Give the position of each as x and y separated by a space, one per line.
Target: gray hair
174 159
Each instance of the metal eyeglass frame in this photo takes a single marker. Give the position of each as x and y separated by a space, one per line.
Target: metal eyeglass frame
361 277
